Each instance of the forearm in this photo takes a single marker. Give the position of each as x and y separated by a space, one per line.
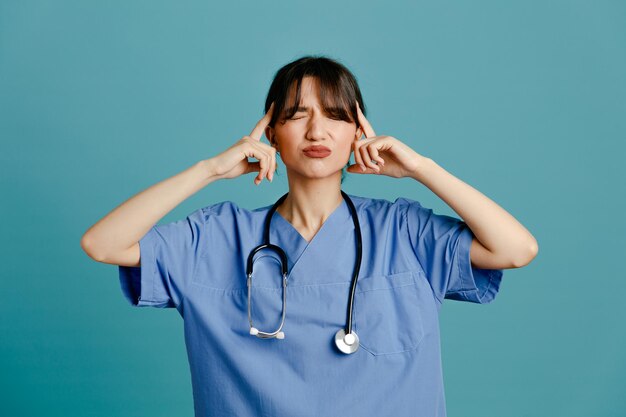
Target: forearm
131 220
494 227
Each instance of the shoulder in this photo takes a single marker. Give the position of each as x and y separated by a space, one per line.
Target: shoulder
383 214
228 214
230 207
377 206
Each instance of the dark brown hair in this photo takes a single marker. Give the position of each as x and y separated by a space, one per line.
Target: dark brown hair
338 89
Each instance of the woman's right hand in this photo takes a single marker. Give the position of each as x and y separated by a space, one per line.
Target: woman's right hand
233 162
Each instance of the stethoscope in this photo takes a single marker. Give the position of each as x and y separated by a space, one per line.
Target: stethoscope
346 340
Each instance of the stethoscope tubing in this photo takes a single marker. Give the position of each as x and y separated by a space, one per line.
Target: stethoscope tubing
357 263
347 330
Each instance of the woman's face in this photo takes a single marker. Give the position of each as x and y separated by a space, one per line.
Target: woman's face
310 127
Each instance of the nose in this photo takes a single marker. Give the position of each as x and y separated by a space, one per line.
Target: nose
316 127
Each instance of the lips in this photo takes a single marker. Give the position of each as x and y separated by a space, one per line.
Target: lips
316 151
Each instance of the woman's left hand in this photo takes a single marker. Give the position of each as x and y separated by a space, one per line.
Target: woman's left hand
394 158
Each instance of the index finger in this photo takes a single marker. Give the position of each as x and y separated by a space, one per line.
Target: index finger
367 127
262 124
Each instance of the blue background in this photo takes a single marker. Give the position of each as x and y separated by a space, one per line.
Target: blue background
525 101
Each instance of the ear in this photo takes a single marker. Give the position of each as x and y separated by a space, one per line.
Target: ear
359 133
269 134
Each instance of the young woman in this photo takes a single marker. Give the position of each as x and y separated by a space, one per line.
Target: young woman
323 303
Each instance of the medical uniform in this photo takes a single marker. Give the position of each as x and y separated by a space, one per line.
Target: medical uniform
412 259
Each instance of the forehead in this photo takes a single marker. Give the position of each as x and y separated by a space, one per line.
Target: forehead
309 90
314 92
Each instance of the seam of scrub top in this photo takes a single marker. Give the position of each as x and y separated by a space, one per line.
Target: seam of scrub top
465 264
493 279
408 229
464 261
415 272
201 247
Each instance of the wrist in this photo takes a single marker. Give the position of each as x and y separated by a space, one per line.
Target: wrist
424 166
207 169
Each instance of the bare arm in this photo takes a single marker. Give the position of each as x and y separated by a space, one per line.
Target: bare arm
500 240
115 237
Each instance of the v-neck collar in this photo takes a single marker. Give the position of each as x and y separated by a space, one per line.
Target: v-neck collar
295 245
340 207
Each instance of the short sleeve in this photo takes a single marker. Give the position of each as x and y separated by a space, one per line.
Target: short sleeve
169 254
442 246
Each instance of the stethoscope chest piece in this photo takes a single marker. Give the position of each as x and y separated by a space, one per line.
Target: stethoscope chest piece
347 343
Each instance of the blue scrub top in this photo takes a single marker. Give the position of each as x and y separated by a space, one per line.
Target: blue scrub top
412 260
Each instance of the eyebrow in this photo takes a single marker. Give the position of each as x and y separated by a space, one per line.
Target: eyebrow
305 109
299 108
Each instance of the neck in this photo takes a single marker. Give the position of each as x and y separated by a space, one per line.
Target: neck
311 201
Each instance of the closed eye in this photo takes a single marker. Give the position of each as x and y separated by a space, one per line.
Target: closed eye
297 117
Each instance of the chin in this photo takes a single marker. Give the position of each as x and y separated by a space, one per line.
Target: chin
318 174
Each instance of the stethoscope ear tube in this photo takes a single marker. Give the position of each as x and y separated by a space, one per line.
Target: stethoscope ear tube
278 333
277 249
